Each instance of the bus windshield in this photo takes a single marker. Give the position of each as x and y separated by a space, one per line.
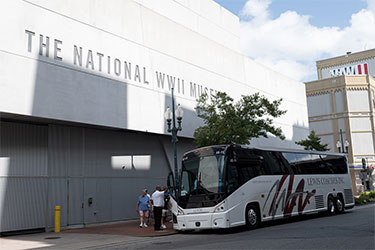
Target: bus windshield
202 175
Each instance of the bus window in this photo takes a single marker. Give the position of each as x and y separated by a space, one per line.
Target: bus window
336 164
291 159
232 177
185 183
249 168
309 164
315 164
209 176
274 163
243 165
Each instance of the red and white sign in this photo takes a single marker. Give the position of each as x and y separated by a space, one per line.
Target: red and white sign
359 69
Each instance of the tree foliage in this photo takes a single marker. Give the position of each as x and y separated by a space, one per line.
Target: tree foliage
228 122
313 143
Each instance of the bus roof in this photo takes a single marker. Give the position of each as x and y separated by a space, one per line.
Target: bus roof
289 150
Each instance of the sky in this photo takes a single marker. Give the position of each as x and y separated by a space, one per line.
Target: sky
289 36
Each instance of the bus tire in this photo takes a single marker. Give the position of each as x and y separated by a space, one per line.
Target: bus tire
252 217
340 207
331 205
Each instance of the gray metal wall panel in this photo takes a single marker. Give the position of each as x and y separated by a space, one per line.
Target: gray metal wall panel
121 189
90 152
58 150
83 156
23 203
25 146
23 176
101 146
57 196
103 199
125 193
75 211
75 166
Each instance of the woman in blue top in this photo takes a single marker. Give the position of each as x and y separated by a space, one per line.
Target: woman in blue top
142 207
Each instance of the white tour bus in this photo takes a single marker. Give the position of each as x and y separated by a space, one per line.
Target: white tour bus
234 185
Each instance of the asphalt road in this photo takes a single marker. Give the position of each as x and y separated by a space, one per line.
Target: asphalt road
352 230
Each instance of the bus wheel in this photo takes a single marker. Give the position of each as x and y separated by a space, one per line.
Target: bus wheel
340 204
252 217
331 205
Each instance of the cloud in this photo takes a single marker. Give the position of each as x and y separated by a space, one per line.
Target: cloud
291 44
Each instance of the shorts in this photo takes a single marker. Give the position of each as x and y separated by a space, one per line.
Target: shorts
143 213
165 211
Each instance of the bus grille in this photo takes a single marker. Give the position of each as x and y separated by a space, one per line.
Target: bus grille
319 201
348 196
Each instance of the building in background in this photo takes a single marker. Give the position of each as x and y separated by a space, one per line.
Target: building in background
341 107
83 90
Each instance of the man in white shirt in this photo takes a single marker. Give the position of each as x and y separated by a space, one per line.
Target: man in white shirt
157 199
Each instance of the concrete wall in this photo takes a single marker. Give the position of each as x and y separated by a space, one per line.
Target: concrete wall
76 82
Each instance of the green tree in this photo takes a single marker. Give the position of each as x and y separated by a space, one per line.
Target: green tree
228 122
313 143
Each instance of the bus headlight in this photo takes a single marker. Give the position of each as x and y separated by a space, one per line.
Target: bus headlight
219 207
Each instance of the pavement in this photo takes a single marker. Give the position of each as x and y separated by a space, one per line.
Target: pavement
130 228
353 229
85 238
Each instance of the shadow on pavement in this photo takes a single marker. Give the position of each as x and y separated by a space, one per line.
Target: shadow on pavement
129 228
266 224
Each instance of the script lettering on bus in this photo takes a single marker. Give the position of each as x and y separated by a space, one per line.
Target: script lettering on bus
287 198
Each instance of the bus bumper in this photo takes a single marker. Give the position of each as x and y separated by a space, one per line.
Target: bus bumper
201 221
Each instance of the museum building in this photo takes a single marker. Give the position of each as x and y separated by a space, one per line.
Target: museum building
83 90
341 108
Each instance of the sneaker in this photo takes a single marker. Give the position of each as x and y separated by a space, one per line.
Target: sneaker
141 225
145 225
163 226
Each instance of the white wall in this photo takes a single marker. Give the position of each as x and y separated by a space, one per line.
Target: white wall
341 125
362 144
126 31
339 102
205 17
322 127
328 139
358 101
360 124
319 105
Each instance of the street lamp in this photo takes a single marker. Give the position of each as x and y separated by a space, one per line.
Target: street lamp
171 116
341 145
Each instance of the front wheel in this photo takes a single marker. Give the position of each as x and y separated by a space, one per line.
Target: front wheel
252 217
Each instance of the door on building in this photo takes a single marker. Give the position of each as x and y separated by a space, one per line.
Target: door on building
75 202
90 201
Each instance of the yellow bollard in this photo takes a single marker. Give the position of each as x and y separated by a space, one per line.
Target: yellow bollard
57 219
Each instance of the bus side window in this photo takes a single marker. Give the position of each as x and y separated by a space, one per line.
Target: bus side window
336 164
274 163
232 177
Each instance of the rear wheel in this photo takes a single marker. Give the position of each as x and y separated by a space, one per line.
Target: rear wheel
340 204
252 217
331 205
